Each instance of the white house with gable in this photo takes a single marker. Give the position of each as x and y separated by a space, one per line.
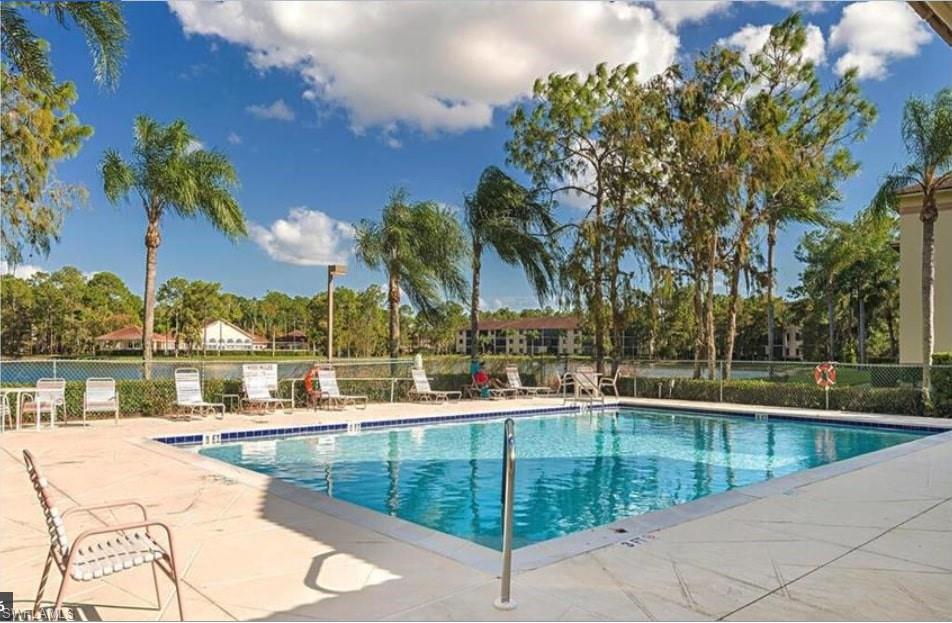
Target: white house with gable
222 335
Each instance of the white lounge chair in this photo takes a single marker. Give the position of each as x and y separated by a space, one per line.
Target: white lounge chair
99 552
101 397
515 382
259 380
330 392
421 389
188 393
49 396
585 381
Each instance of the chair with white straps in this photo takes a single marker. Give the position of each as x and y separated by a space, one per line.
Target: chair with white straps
99 552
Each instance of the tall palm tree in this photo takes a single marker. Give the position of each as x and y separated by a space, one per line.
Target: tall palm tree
419 246
927 135
171 173
101 23
503 216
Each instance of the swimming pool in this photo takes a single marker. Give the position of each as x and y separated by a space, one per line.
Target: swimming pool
573 472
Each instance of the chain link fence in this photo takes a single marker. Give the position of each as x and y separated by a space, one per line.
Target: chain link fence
875 388
153 393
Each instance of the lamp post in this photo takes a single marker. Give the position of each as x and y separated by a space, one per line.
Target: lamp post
333 270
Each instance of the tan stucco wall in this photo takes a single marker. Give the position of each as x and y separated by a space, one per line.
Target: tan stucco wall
910 278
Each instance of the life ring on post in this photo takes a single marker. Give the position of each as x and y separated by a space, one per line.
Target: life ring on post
825 375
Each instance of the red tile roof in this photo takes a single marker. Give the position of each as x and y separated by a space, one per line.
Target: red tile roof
561 323
131 332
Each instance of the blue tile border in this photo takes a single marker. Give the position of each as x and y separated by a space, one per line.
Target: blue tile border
298 431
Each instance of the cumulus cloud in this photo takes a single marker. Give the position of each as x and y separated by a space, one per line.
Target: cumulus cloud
23 271
233 138
674 12
305 238
751 39
875 33
436 66
275 110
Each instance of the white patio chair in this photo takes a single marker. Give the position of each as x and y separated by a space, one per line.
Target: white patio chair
610 382
188 393
99 552
585 381
421 389
330 392
258 393
101 397
6 413
50 395
514 381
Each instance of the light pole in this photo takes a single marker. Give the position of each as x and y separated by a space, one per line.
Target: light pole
333 270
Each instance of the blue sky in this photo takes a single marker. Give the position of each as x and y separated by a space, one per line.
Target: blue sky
325 108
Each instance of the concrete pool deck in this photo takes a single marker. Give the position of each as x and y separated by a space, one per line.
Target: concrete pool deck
865 540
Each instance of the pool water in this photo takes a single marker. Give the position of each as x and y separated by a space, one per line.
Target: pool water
573 472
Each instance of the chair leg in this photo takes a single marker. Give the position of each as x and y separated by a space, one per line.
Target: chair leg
175 578
42 588
59 597
155 581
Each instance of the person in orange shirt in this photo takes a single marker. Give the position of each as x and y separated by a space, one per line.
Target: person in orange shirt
310 387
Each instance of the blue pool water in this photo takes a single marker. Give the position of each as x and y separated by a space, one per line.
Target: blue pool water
573 472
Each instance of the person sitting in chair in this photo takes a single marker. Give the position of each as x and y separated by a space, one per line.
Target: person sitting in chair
481 379
313 393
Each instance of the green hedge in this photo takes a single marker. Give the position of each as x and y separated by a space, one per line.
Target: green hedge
896 400
942 385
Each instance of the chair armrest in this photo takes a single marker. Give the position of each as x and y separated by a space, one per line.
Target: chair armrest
110 505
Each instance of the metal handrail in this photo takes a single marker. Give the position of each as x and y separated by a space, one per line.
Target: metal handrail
505 601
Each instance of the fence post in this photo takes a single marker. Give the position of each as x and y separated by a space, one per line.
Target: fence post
634 380
54 369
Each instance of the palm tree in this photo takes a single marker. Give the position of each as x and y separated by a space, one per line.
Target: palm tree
170 171
927 135
101 23
503 216
419 246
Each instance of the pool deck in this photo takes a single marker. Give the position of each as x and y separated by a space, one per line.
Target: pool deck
868 538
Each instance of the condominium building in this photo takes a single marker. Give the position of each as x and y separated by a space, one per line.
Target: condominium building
550 335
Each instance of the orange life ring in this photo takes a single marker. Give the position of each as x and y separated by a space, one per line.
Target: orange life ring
825 375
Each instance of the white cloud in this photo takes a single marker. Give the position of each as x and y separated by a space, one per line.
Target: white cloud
305 238
875 33
673 12
234 138
805 7
23 271
193 146
751 39
275 110
436 66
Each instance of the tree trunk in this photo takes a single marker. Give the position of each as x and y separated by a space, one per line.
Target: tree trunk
891 329
152 240
393 303
732 305
861 331
709 310
474 301
928 218
829 319
771 248
597 287
698 315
